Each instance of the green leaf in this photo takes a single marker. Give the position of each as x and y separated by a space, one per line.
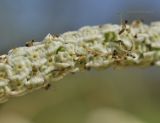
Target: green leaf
110 36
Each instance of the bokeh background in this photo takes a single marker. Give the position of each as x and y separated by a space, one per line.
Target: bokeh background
121 95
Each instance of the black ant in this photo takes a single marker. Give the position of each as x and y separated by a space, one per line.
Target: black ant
48 86
123 27
135 36
30 43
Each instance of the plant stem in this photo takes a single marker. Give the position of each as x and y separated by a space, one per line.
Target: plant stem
35 65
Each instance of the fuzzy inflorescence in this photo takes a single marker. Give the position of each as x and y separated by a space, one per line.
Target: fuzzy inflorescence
35 65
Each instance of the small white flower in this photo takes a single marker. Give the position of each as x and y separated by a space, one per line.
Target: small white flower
25 69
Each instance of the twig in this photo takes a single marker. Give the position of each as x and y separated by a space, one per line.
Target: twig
35 65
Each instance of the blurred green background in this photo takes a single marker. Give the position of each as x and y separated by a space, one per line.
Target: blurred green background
121 95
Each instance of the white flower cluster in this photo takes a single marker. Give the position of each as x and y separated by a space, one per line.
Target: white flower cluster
37 64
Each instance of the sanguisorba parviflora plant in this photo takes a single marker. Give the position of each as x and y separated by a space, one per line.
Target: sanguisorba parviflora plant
35 65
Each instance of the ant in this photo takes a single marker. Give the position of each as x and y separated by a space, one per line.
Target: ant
47 87
123 27
135 36
30 43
